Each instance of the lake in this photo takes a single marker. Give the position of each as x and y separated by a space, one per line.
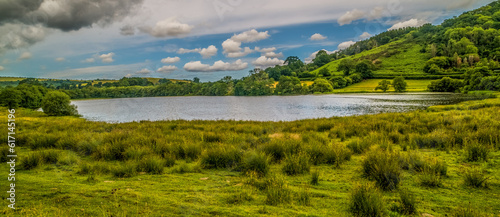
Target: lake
263 108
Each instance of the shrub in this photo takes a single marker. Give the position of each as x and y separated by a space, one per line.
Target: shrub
475 152
475 178
366 201
275 149
407 203
296 164
384 168
220 158
337 154
152 164
56 103
315 178
257 163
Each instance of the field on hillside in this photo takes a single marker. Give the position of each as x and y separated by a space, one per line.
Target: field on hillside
369 85
396 58
10 79
439 161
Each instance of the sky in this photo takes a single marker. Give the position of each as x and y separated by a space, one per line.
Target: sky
183 39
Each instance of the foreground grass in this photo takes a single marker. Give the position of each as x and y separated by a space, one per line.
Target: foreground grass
97 166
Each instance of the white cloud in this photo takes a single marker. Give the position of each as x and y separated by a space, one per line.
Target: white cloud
167 69
208 52
317 37
60 59
2 68
250 36
107 58
265 62
144 71
197 66
170 27
345 45
350 16
232 46
265 50
409 23
365 35
128 75
25 55
88 60
273 54
240 53
170 60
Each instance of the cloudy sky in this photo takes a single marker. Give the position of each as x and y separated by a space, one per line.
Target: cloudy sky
182 39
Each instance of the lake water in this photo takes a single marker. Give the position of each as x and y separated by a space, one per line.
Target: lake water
265 108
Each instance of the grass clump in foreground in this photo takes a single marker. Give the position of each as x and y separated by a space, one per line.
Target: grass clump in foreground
242 168
365 200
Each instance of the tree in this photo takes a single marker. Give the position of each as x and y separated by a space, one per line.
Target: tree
288 85
383 85
399 84
321 59
364 68
325 72
196 80
346 66
11 98
321 85
57 103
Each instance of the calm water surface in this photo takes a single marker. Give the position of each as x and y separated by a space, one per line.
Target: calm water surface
265 108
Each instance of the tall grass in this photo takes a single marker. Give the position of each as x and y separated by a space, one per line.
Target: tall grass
384 168
256 163
365 200
296 164
476 178
221 158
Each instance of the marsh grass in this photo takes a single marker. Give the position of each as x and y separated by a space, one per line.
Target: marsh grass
221 158
407 202
256 163
474 177
384 168
365 200
296 164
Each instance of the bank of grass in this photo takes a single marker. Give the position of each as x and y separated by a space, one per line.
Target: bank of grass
368 86
242 168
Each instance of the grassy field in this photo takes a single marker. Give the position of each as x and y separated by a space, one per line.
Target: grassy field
396 58
73 167
368 86
10 79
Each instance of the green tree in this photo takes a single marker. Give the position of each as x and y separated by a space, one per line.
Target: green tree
321 85
57 103
383 85
321 58
347 66
399 84
325 72
288 85
11 98
364 68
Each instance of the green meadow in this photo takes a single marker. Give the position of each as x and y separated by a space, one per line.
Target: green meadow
442 161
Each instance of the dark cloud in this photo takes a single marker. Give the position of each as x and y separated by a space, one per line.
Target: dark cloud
66 15
17 9
127 30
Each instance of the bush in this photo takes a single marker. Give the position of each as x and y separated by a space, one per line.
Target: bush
384 168
446 84
366 201
221 158
430 179
475 152
152 164
257 163
296 164
56 103
475 178
407 203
